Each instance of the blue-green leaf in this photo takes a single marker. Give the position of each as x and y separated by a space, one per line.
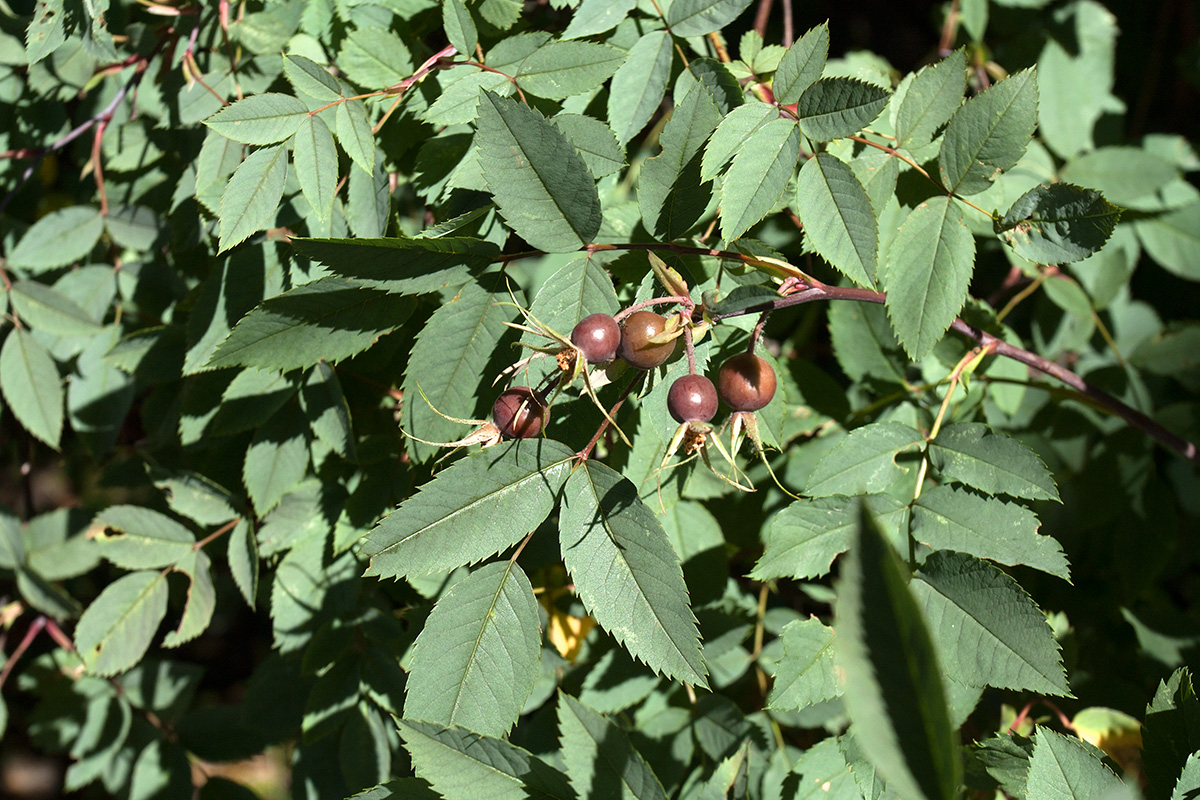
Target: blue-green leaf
839 223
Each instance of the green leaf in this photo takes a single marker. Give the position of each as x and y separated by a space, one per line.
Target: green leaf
949 518
243 560
48 310
12 544
638 85
46 32
326 320
934 95
578 289
478 655
456 345
926 273
595 142
598 753
354 133
835 107
991 462
542 187
277 458
327 411
473 509
597 16
461 763
892 682
670 193
803 539
31 385
824 771
737 126
310 78
1123 174
399 265
1187 785
459 101
626 572
1173 240
260 118
459 27
989 133
315 157
374 57
801 65
201 601
115 631
134 227
758 176
1172 731
839 223
806 674
1065 768
864 461
252 195
1058 223
986 629
61 237
144 538
701 17
558 70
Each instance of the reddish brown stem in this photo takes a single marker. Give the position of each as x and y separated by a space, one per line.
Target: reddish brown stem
34 629
586 452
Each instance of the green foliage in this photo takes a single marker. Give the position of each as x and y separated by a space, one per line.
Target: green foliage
265 269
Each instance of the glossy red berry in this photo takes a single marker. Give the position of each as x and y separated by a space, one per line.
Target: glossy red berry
519 413
746 382
636 347
597 336
692 398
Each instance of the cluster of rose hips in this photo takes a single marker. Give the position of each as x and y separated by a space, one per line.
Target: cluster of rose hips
745 382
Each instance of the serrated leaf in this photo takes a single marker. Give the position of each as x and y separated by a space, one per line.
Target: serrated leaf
558 70
803 539
459 102
758 176
326 320
801 65
892 681
243 560
374 57
597 16
354 133
315 157
598 753
541 185
626 572
671 195
456 345
638 85
702 17
578 289
1172 731
1173 240
835 107
1187 786
251 198
1058 223
824 772
201 601
986 629
260 119
461 763
476 659
399 265
839 223
864 461
277 458
459 27
595 142
991 462
46 32
474 509
934 95
737 126
115 631
48 310
57 239
926 273
144 538
31 386
949 518
806 674
310 78
327 411
989 133
1064 768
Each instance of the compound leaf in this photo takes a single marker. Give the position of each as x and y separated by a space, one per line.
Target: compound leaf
476 660
758 176
626 572
31 385
806 675
864 461
1065 768
144 538
265 118
252 196
399 265
836 107
801 65
57 239
988 134
315 157
839 223
733 131
45 309
1058 223
991 462
934 95
558 70
702 17
638 85
471 510
598 753
671 195
115 631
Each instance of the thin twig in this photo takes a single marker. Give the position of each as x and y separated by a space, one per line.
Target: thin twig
34 629
586 452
